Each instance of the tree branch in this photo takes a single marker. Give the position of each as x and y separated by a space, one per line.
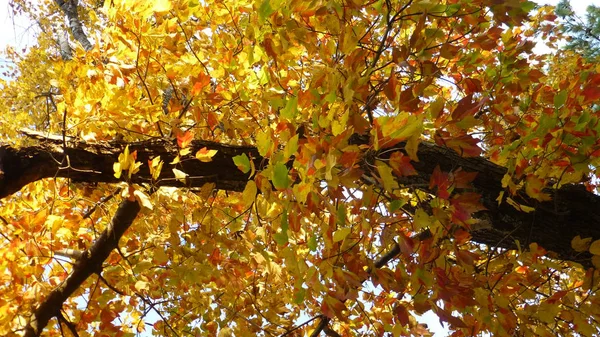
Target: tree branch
573 210
89 263
69 7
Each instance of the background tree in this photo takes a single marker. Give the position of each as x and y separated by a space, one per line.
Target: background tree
286 168
583 36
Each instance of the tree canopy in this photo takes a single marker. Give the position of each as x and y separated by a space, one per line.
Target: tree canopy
297 168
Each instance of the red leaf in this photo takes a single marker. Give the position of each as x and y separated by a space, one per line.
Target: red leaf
213 120
467 107
401 164
390 88
472 85
464 205
440 180
464 145
402 315
462 179
591 94
454 322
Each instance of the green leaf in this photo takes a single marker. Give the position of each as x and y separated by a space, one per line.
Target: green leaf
312 243
395 205
421 219
341 234
281 180
560 98
242 162
290 109
264 11
299 296
282 238
264 143
291 147
341 215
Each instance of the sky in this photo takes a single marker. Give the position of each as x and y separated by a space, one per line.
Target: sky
20 32
14 31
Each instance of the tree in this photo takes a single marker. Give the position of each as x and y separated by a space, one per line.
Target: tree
286 168
583 36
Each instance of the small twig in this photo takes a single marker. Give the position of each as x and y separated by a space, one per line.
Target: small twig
300 325
62 319
322 324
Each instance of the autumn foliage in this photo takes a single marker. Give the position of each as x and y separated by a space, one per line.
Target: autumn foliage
296 168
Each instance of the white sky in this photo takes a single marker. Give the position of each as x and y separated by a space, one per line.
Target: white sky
14 31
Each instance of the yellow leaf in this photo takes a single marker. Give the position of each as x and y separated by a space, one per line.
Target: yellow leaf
519 207
385 172
341 234
143 198
135 168
411 147
595 247
547 312
162 6
64 233
141 285
205 155
185 151
206 190
421 219
160 256
534 188
291 147
117 169
180 175
155 167
225 332
124 159
580 245
54 222
249 194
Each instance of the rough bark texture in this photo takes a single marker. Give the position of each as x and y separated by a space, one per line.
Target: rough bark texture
63 42
69 7
573 210
94 163
89 263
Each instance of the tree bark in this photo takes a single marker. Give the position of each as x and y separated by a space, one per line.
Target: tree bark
572 211
69 7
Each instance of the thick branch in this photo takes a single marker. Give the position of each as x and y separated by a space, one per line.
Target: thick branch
88 264
93 163
573 210
69 7
63 42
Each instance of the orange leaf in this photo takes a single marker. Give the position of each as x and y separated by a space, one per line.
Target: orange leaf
534 187
183 140
401 164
